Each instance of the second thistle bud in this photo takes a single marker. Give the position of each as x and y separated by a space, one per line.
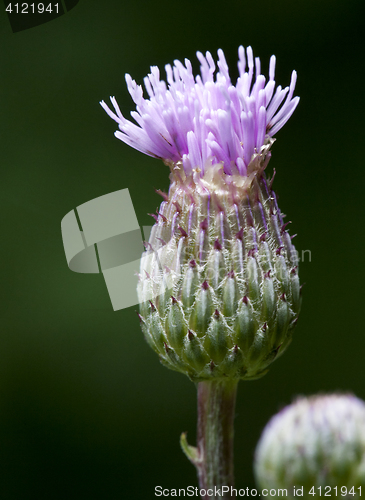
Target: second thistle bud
219 287
316 446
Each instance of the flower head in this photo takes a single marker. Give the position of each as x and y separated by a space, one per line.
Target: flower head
219 287
316 441
192 120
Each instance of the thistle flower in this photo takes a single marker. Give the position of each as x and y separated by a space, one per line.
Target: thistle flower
219 289
315 442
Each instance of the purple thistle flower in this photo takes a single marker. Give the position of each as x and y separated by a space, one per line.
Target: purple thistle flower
193 120
219 245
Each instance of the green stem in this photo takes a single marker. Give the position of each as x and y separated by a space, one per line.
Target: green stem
213 456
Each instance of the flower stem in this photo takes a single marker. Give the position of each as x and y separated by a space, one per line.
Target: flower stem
213 456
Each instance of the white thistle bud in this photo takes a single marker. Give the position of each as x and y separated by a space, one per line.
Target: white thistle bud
316 444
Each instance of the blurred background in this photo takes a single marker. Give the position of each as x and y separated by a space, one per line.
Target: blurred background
86 410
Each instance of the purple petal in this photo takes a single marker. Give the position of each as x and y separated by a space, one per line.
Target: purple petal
194 151
190 119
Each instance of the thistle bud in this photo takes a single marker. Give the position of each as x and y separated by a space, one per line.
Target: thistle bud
220 268
317 444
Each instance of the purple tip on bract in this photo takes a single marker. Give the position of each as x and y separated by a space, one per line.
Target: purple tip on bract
294 270
263 237
245 300
167 349
190 335
264 327
239 235
204 224
251 252
267 275
174 301
164 195
276 350
205 285
230 274
192 263
283 297
141 318
283 227
148 246
272 179
278 250
217 245
183 232
162 216
162 241
212 365
216 314
154 216
152 306
177 206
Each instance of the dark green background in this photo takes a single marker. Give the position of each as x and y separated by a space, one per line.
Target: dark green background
86 410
